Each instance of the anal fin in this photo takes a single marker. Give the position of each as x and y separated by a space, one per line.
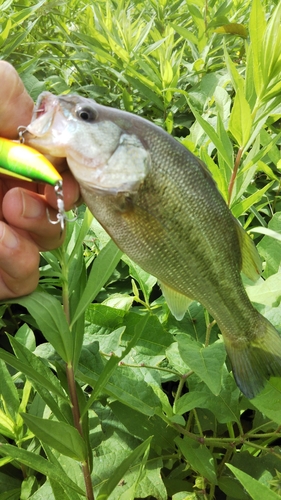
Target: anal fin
178 303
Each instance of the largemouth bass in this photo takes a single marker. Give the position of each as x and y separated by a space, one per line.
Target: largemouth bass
160 205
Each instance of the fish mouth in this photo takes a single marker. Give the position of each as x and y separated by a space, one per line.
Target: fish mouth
43 114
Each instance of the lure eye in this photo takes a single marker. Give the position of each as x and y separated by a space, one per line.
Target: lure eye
86 114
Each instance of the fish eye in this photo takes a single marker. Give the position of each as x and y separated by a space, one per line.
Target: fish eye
86 114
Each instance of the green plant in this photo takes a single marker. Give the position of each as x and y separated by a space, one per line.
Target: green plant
118 394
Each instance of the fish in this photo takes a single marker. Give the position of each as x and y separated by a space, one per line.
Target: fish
162 208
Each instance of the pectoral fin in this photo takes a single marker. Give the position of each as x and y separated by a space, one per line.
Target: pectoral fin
251 262
178 303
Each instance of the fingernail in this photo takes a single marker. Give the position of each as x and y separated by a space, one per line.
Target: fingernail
7 237
31 208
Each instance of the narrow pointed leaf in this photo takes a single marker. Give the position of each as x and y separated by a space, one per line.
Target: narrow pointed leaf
59 435
31 372
101 271
257 26
120 471
240 122
39 464
49 316
256 489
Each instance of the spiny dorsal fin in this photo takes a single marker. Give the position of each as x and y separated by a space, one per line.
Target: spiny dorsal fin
178 303
251 262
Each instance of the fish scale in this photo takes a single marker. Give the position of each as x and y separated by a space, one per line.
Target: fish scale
162 208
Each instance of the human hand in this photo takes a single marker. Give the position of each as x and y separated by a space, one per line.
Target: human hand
24 226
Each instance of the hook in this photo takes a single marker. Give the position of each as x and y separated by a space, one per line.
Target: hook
61 215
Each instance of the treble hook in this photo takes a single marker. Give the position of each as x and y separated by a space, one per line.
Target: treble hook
61 215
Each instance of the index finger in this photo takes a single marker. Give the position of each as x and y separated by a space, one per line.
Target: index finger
15 104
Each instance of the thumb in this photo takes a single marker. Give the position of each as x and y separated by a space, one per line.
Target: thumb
15 103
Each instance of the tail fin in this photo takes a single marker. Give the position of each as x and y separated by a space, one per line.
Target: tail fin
255 361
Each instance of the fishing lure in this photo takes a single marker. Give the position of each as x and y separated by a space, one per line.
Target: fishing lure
25 163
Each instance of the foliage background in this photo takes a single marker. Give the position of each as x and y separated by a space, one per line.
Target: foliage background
111 384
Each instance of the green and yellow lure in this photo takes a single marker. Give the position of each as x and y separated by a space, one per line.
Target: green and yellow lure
24 162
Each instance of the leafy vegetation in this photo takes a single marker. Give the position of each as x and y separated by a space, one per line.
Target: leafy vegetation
110 390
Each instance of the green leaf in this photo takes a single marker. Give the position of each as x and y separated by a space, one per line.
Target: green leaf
189 401
105 322
270 247
9 487
5 31
52 490
255 489
257 26
198 456
237 80
59 435
35 371
272 38
185 33
120 471
233 29
145 280
49 316
101 271
217 173
225 406
147 90
242 206
73 469
141 427
267 232
225 153
7 427
268 401
266 292
115 360
39 464
207 362
127 385
26 337
9 393
83 230
240 122
227 145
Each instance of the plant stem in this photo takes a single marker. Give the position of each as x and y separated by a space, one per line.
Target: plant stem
234 174
143 365
181 384
198 423
225 459
88 481
208 332
70 375
73 398
212 491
